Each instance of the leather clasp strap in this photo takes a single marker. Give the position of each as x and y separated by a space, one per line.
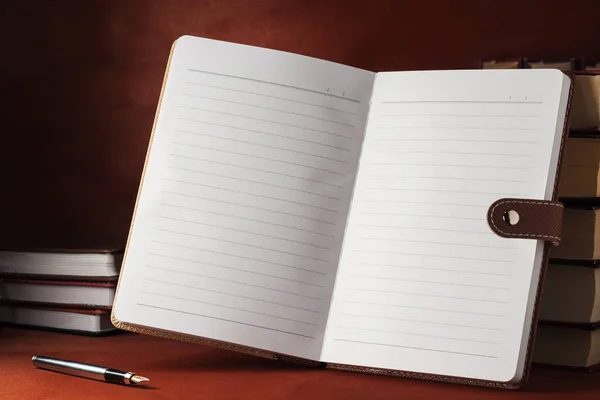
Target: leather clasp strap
527 219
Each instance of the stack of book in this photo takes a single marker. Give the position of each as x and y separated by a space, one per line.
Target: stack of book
569 328
65 291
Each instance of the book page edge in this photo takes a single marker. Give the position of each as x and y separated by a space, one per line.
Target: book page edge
113 317
520 380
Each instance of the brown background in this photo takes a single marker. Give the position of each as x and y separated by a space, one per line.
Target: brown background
79 82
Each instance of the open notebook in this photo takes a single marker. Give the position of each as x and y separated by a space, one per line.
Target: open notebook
305 208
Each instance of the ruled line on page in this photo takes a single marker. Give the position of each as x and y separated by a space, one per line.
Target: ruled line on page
267 108
247 206
480 128
227 307
243 218
416 348
446 191
175 271
452 153
244 244
231 294
260 158
242 257
423 202
437 140
421 215
435 242
424 308
418 334
424 229
459 115
240 269
462 101
448 178
268 121
223 319
253 169
244 231
424 322
258 144
275 84
433 255
272 97
437 296
254 194
385 278
460 271
448 165
269 134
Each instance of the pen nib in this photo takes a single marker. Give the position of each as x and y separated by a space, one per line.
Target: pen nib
138 379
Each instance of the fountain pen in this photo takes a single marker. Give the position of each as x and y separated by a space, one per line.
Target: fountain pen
96 372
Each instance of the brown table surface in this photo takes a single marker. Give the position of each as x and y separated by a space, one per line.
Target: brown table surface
187 371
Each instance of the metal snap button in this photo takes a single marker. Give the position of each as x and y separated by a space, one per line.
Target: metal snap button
511 217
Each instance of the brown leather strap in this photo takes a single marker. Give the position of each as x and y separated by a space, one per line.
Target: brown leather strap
527 219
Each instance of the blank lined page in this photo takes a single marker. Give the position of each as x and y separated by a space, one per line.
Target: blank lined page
423 284
240 218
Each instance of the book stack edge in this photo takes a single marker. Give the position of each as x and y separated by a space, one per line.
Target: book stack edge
569 328
67 291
